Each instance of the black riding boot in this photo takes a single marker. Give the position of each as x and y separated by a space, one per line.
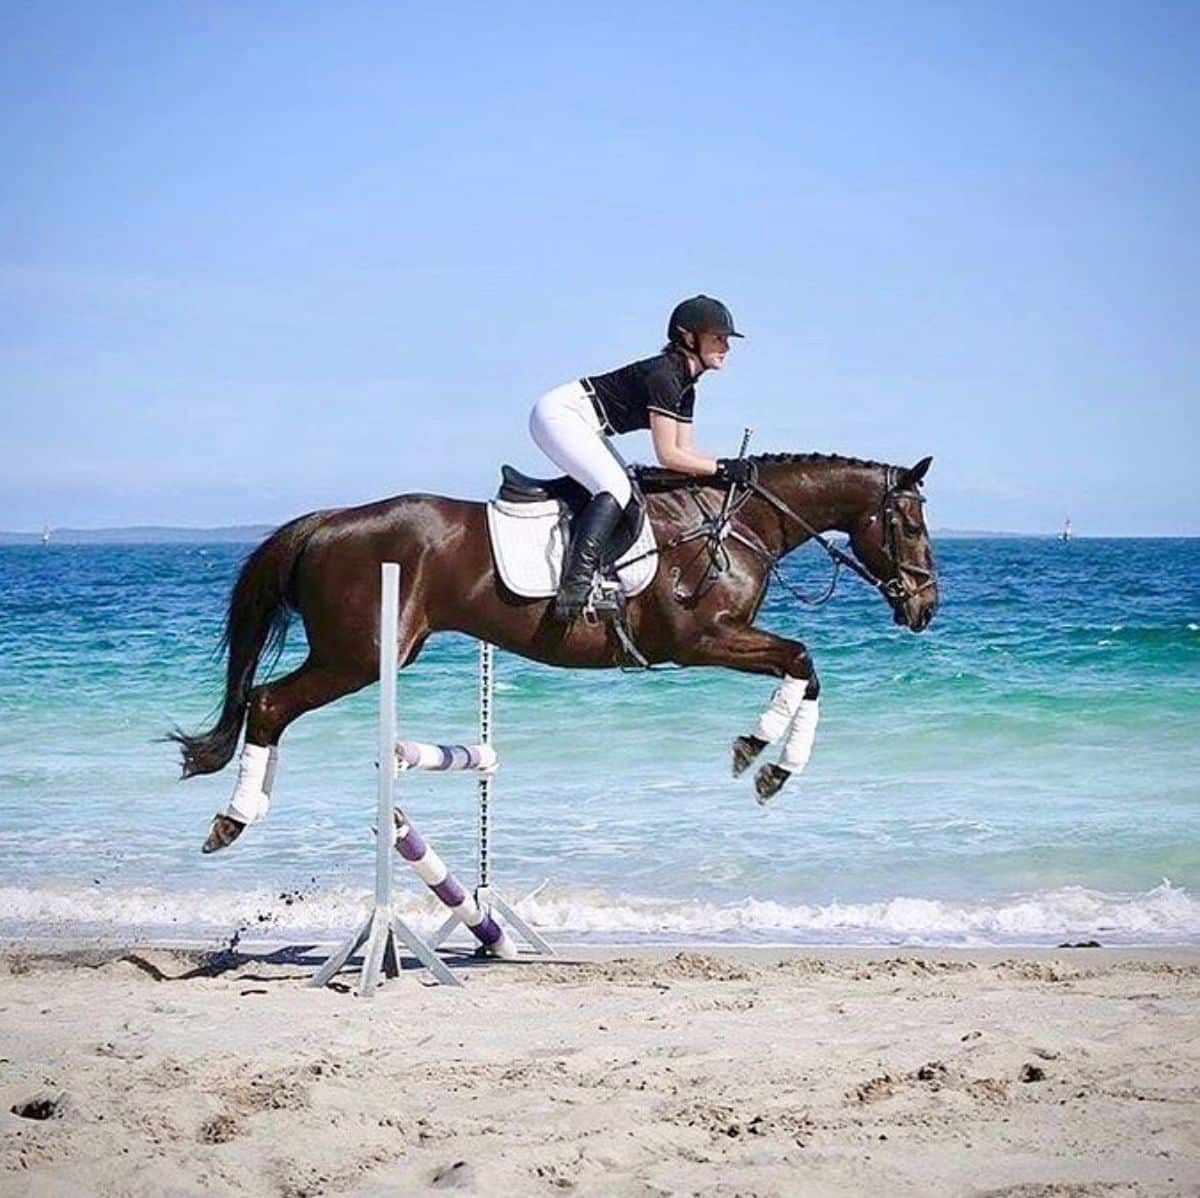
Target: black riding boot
593 527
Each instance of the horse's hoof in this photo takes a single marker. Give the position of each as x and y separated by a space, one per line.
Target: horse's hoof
224 831
769 781
745 750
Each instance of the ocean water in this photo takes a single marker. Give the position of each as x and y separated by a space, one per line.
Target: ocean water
1027 771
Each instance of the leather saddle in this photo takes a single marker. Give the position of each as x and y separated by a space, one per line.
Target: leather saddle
516 487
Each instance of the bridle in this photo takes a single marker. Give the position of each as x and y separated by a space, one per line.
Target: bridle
897 589
908 581
715 527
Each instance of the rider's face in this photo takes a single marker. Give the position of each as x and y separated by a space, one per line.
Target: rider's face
712 349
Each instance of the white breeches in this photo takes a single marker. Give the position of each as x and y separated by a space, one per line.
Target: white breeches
567 430
794 718
255 781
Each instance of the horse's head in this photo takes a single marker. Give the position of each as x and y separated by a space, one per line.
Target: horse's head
892 542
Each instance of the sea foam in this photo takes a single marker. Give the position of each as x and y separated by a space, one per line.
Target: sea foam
1165 914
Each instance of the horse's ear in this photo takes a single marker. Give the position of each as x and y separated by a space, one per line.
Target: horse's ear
914 475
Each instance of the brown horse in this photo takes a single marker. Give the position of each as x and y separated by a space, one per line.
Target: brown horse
716 551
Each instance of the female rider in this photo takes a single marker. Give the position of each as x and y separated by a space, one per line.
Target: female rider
572 425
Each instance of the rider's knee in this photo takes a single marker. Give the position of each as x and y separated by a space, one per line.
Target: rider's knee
813 689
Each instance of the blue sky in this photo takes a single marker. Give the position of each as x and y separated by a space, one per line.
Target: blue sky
258 258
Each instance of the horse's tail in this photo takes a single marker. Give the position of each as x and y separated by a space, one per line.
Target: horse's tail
257 621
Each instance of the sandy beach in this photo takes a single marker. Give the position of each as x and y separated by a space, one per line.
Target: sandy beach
730 1072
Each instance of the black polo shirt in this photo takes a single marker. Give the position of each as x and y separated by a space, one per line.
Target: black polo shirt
627 396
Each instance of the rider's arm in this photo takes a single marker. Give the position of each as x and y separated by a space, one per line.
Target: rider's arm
673 446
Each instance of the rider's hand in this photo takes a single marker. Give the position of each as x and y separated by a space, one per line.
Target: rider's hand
735 470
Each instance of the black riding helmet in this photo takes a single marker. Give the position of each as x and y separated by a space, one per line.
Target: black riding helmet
700 314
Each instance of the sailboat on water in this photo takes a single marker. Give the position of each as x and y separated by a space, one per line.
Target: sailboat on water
47 533
1065 535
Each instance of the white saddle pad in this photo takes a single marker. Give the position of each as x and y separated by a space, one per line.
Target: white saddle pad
529 541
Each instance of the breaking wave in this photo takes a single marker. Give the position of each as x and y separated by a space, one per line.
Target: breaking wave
1164 915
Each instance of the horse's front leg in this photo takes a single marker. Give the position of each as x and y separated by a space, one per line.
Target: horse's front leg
792 714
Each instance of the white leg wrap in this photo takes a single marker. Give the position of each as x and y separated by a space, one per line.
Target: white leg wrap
797 748
252 792
272 770
777 718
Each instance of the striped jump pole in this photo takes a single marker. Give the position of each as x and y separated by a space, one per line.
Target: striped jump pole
417 755
431 869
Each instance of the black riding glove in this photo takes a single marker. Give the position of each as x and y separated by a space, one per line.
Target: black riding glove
735 470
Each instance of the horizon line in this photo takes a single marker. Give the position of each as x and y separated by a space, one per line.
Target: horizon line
251 531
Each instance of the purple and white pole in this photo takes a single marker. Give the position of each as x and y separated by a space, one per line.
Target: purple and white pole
431 869
419 755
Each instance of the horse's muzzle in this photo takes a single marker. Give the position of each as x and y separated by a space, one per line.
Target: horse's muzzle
916 611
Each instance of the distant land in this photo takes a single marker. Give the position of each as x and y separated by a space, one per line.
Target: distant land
251 534
143 535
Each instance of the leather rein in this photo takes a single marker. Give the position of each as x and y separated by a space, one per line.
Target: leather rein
715 527
895 590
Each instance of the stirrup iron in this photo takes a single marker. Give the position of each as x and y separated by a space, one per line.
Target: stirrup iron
605 601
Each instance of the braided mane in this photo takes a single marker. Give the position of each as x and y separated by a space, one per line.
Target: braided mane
832 459
654 479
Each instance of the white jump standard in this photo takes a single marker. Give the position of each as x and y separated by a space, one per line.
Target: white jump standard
384 928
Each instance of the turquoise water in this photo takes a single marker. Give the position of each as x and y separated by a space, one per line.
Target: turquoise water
1025 771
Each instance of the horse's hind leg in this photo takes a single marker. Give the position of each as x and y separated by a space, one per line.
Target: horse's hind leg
273 706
